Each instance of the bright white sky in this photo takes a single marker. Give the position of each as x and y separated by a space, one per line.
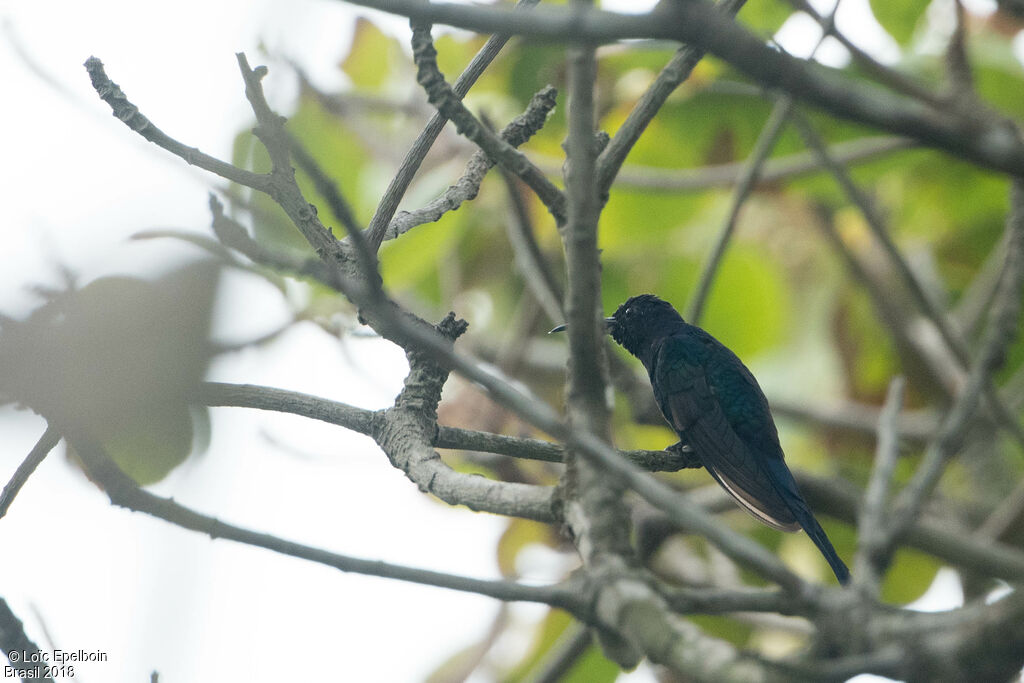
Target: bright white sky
77 184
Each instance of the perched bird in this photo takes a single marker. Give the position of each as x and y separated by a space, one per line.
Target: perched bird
715 405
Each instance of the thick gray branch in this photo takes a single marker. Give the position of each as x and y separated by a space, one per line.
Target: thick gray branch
992 144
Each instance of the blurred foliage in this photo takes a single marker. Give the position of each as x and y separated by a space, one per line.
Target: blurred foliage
591 667
784 299
115 362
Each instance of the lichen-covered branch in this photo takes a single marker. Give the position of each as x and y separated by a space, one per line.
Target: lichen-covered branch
406 430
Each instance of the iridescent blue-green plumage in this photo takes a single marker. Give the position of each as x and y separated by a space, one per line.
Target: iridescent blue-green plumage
716 407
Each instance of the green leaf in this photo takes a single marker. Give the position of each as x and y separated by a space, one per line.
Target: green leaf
765 17
534 66
373 57
749 307
909 576
998 74
415 259
899 19
153 442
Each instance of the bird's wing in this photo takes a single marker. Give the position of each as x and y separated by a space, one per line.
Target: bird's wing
694 411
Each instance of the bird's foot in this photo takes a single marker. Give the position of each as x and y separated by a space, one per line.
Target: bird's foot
685 454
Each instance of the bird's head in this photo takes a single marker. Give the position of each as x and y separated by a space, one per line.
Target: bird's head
638 321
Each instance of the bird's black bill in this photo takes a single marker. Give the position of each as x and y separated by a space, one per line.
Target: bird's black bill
608 322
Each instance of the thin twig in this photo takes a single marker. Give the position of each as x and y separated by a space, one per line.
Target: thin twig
969 310
563 655
890 314
871 533
441 95
880 231
650 103
958 65
1001 330
517 132
46 443
378 226
124 492
763 147
858 418
286 192
130 115
325 185
890 77
748 180
529 257
774 170
1005 516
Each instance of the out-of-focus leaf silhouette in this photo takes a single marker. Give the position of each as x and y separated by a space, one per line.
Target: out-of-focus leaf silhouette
115 361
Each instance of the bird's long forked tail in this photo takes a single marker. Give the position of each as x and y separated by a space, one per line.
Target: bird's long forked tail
820 539
784 510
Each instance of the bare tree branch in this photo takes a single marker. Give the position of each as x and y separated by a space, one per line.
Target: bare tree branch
406 430
992 144
1002 329
14 639
450 106
46 443
362 421
124 492
871 525
521 129
774 170
762 148
671 77
325 185
381 220
130 115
